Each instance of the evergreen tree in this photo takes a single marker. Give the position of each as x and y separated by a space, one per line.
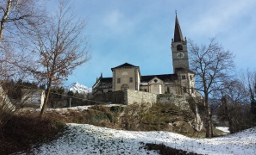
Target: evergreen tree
253 100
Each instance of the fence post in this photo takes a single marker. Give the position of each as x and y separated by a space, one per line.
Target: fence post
70 99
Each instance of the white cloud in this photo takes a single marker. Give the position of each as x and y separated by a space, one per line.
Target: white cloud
117 22
220 15
113 19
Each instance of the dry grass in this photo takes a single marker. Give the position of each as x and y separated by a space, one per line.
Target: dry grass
21 132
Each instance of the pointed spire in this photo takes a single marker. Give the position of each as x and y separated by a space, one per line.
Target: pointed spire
177 31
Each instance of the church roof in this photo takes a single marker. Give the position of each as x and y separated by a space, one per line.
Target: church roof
177 31
106 79
125 65
146 78
163 77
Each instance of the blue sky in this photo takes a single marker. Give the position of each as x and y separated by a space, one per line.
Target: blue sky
140 32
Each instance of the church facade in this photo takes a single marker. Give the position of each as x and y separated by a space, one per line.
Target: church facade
127 76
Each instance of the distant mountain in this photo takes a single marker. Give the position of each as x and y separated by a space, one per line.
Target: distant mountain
77 87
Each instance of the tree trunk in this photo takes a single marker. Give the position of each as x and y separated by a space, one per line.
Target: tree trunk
46 98
3 20
209 131
208 122
227 114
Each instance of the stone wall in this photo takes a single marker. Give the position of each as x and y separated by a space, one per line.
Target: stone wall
134 96
116 97
178 100
129 96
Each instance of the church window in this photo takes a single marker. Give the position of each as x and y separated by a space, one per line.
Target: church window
191 77
118 80
131 80
155 80
168 90
183 77
184 90
179 47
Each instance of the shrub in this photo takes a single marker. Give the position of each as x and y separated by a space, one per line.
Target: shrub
165 150
20 133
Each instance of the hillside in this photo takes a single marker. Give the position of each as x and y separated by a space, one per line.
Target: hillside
83 139
136 117
90 139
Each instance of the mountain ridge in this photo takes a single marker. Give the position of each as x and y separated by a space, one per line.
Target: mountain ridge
79 88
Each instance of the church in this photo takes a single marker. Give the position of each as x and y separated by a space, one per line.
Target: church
127 76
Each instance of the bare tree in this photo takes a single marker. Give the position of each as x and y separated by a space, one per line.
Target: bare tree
234 106
61 47
212 64
249 81
18 22
19 16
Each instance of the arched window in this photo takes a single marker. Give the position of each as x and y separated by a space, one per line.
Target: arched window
168 90
184 89
179 47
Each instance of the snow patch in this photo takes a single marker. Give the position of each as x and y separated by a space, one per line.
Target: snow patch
224 129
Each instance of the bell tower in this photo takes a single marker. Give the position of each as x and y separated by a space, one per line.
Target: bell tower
179 49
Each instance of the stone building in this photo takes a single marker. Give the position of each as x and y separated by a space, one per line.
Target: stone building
127 76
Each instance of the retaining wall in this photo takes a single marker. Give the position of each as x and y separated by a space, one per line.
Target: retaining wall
134 96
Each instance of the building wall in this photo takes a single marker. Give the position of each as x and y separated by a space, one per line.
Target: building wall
166 87
122 78
191 83
144 88
187 83
156 86
171 88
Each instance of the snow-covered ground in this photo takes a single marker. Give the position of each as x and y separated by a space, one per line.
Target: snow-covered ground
83 139
224 129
